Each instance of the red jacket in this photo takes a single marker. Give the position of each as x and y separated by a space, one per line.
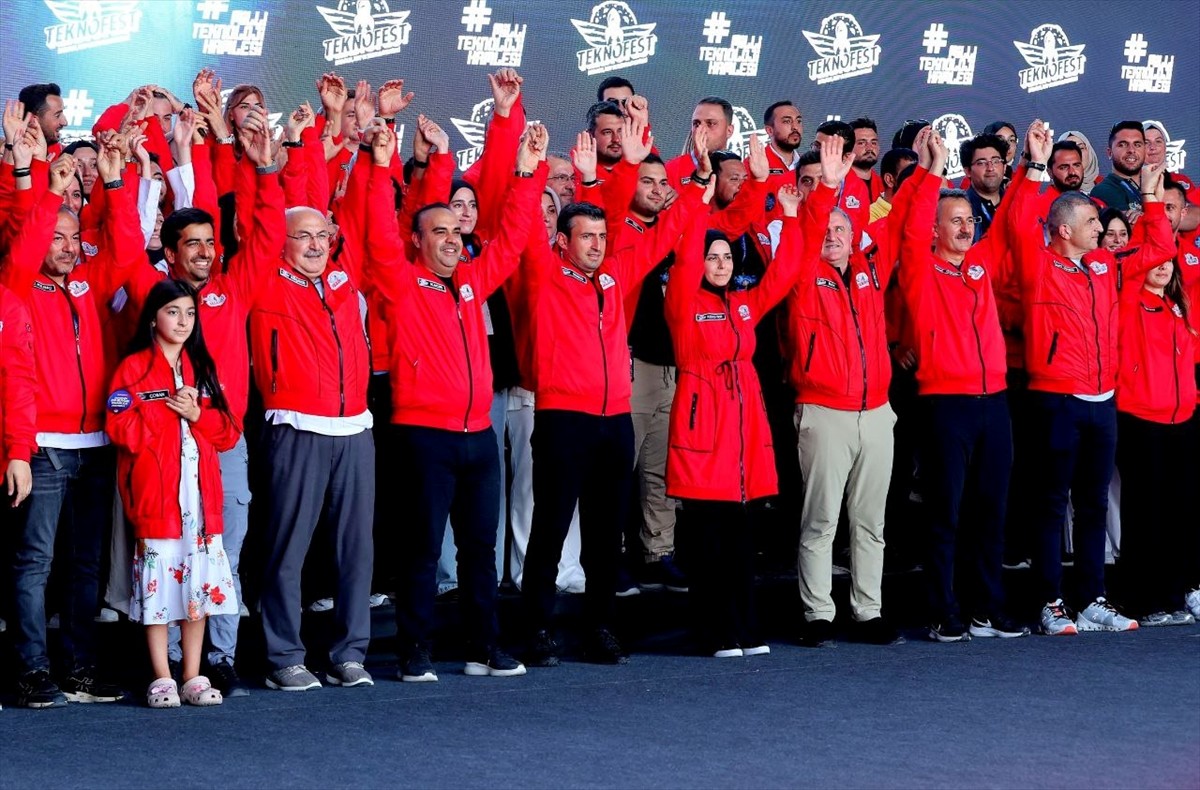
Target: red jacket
437 340
1071 309
309 348
149 437
18 380
952 308
720 442
580 350
839 355
1156 380
73 361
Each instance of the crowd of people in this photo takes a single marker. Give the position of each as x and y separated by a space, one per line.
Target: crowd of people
561 366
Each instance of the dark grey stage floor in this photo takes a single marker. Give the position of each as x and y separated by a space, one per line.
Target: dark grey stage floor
1119 710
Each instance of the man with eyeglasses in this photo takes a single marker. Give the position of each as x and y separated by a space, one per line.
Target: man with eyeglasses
967 455
1121 188
984 157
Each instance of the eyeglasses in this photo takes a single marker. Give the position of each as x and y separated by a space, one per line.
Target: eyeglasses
307 238
994 161
965 222
561 177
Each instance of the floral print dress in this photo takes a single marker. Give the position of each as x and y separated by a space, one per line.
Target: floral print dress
186 578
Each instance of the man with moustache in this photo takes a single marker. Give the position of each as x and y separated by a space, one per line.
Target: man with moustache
1127 149
983 157
784 123
866 154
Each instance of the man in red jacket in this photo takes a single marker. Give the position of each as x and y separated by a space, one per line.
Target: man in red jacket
968 450
840 369
583 433
1069 293
441 367
73 467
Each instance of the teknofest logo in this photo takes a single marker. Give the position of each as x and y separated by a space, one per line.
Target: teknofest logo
615 39
365 29
845 52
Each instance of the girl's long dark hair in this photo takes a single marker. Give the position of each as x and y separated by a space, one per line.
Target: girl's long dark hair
145 337
1175 291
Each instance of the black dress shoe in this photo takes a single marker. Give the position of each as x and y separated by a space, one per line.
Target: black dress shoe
603 648
817 633
225 678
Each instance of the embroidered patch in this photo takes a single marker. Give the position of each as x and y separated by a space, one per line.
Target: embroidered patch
763 238
1190 260
574 275
466 292
1099 267
89 250
862 280
44 287
337 279
285 274
432 285
607 281
214 300
827 283
771 202
744 312
703 317
151 395
1174 309
119 401
975 272
945 271
633 224
78 288
852 202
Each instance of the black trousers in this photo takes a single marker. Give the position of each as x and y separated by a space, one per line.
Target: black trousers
966 463
453 474
716 541
585 459
1160 541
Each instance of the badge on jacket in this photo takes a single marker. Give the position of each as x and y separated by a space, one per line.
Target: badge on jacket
1099 267
78 288
337 279
744 312
214 300
861 280
607 281
466 293
119 401
975 272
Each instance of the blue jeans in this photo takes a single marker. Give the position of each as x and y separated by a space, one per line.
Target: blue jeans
72 490
235 517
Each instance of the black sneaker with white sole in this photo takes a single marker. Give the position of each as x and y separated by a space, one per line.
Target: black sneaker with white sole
37 690
496 664
82 686
417 667
949 630
996 627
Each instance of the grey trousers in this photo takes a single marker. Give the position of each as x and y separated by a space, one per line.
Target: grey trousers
313 475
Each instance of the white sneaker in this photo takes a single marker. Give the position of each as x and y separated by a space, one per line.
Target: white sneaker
1192 600
321 605
1182 617
1055 621
242 610
1100 615
379 599
729 652
107 615
840 570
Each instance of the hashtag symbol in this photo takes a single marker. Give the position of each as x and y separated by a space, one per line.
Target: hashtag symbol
212 9
76 106
716 27
476 16
1136 48
935 38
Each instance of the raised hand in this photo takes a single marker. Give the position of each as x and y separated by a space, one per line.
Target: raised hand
364 104
255 137
834 164
435 135
185 125
300 119
938 154
23 150
700 149
506 89
135 148
583 156
206 91
111 159
1038 141
533 147
33 130
921 147
789 199
393 99
756 160
638 108
15 120
62 173
633 148
332 90
1152 181
382 141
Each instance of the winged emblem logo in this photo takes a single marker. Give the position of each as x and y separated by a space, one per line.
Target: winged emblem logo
1053 60
84 24
473 130
615 38
844 50
365 29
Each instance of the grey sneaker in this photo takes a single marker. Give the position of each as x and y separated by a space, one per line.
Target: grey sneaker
1182 617
1055 619
349 674
1192 599
293 678
1155 620
1100 615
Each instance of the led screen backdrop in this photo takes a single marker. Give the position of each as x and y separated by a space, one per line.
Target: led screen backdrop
1076 64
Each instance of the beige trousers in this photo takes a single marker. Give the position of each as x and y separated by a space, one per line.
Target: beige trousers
650 403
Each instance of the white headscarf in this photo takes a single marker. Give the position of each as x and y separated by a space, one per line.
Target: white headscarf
1091 169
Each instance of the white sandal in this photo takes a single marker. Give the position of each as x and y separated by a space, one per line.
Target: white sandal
199 691
163 693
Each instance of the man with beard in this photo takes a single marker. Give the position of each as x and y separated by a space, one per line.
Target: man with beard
44 100
715 116
866 154
983 156
1066 175
1127 149
785 125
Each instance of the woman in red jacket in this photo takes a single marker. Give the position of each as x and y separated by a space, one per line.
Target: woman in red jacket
1156 397
720 460
168 418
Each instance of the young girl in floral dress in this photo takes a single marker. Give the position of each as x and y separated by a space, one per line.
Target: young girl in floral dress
169 419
